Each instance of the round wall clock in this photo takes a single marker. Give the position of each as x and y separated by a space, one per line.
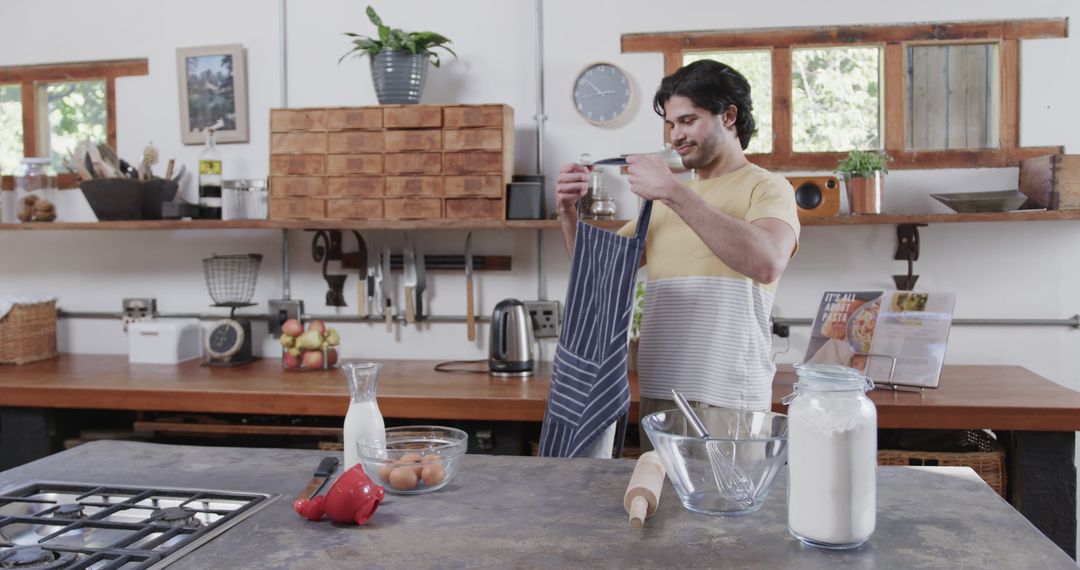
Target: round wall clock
602 93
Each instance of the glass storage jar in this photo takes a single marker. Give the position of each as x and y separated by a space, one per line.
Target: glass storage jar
34 177
832 457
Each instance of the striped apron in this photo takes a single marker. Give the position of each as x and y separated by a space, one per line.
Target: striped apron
589 388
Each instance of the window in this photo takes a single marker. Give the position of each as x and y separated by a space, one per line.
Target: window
46 109
936 95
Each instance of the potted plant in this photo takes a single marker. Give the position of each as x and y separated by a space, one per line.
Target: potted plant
863 172
398 59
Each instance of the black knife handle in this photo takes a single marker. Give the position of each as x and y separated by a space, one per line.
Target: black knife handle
326 467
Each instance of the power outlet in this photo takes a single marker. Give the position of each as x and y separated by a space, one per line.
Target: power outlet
138 309
545 318
282 310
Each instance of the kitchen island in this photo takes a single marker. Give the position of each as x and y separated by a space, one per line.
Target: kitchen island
1036 418
505 512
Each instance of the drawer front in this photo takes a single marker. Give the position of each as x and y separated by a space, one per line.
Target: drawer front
354 164
297 164
474 116
478 162
487 186
412 117
297 119
416 139
297 208
426 186
297 142
414 163
474 209
288 186
355 186
356 141
355 208
473 139
354 118
412 208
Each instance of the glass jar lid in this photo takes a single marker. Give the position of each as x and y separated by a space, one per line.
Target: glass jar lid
828 378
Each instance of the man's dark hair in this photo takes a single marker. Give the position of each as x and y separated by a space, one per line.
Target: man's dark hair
713 86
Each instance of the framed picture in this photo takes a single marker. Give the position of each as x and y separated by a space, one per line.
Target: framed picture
213 91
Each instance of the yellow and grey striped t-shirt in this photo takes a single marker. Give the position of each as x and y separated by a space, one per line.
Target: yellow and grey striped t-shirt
705 330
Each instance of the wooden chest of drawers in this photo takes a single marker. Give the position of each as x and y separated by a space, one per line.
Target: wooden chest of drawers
393 162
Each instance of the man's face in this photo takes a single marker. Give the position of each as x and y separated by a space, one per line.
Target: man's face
696 134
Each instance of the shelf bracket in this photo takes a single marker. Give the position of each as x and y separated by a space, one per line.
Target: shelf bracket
907 249
323 252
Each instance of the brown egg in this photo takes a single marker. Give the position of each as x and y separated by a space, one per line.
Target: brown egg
403 478
433 474
411 459
384 473
430 458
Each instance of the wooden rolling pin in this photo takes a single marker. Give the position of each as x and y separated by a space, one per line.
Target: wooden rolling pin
643 494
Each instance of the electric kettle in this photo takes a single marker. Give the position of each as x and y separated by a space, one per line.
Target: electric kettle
512 342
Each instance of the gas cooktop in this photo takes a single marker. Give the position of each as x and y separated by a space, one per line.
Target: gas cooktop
87 526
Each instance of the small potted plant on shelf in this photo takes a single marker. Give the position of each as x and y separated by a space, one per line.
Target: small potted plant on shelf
398 59
864 177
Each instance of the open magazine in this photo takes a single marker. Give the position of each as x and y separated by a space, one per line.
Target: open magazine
894 337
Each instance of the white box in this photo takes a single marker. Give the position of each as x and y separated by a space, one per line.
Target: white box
164 341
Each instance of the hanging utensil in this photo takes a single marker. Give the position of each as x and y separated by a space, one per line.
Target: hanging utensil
470 319
387 289
408 261
421 280
731 481
361 282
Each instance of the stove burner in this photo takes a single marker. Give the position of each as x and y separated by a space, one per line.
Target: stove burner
176 517
34 557
69 511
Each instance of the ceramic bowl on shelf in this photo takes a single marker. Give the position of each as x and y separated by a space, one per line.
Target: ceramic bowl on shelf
972 202
414 459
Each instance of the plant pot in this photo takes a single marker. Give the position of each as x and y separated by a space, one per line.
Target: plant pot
865 193
398 76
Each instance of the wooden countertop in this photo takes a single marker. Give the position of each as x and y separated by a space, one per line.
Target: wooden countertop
990 397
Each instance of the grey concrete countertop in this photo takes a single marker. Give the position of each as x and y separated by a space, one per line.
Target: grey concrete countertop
512 512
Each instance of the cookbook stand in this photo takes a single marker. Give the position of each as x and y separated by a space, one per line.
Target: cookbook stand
892 371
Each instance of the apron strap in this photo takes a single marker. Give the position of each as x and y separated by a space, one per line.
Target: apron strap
643 219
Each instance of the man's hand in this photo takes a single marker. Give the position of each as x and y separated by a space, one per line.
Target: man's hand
572 184
651 178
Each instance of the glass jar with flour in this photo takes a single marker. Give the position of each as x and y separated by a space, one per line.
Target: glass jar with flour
832 457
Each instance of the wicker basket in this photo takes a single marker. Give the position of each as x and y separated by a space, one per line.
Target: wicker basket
988 461
28 333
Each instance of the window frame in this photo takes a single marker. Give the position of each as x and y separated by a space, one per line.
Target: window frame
28 77
893 38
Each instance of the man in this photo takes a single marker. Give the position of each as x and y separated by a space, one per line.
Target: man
715 250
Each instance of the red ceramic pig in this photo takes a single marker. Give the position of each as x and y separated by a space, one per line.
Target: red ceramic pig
354 497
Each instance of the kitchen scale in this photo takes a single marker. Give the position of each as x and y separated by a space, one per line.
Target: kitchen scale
231 281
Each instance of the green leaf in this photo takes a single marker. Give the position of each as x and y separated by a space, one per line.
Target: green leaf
375 19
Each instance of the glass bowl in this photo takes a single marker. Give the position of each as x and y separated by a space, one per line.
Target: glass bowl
414 459
755 441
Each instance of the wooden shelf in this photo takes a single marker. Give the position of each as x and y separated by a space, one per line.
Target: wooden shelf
304 225
844 220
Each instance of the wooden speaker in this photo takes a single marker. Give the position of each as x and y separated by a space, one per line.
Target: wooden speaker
816 196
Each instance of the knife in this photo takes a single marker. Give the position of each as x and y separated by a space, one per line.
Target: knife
421 280
362 282
470 320
318 479
372 264
408 261
387 298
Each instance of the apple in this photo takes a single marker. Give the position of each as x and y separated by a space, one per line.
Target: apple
331 357
313 359
291 360
292 327
310 340
332 337
287 341
295 351
317 325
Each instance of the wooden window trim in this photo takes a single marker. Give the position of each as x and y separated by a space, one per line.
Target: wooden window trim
894 38
29 76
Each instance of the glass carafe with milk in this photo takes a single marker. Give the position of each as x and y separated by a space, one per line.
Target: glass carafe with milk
363 421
